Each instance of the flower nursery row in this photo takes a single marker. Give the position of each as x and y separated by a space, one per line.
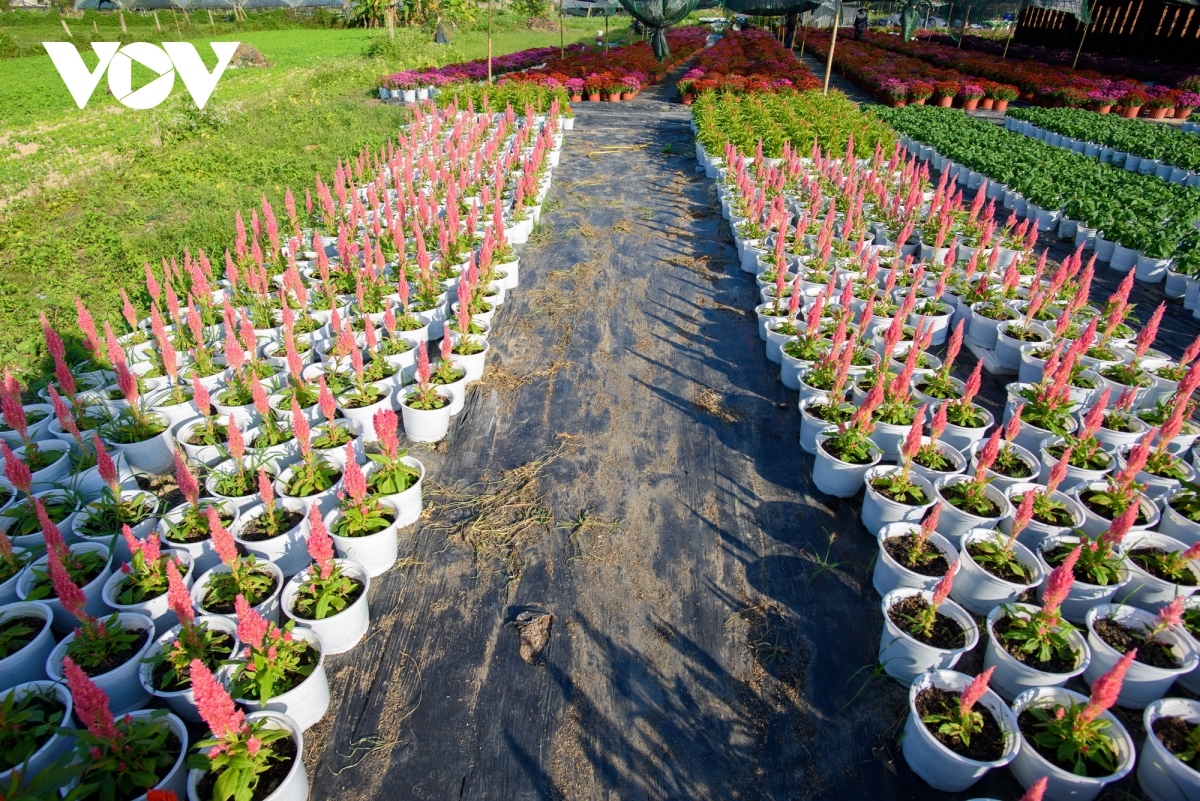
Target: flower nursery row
270 393
745 61
771 120
496 97
1042 83
1179 75
617 73
1082 497
1127 218
899 80
413 85
1162 144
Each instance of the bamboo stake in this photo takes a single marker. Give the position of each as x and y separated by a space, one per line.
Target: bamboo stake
837 18
211 23
804 39
966 19
1083 38
157 24
1012 34
65 28
489 41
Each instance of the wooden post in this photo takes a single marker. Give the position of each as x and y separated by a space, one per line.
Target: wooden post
1013 32
966 19
489 32
157 24
175 17
605 26
562 50
121 16
392 23
804 39
95 30
837 18
65 28
1083 38
211 22
187 19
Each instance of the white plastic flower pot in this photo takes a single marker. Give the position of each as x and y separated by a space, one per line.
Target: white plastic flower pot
982 331
954 522
1162 775
1075 476
114 540
473 363
999 480
841 479
1150 270
409 503
1035 531
125 693
427 425
977 590
1009 348
154 608
1095 525
903 657
889 574
48 477
95 606
363 415
1147 591
1178 526
958 463
1082 596
268 607
1030 766
155 455
888 438
307 702
878 510
376 552
60 742
207 455
1143 683
203 555
1012 676
1158 488
288 550
182 702
962 438
294 786
324 501
28 663
227 467
338 455
811 425
342 631
940 767
8 587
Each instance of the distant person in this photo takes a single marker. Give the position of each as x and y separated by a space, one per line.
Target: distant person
637 27
860 23
789 31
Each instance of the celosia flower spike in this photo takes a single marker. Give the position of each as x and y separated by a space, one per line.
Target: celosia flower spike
179 600
942 591
89 701
214 704
975 690
1106 688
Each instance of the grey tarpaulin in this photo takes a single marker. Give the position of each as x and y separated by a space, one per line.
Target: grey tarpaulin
770 8
658 15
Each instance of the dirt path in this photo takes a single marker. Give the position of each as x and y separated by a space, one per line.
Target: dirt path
708 606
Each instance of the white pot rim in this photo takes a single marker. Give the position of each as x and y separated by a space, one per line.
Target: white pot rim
948 607
1074 635
1181 641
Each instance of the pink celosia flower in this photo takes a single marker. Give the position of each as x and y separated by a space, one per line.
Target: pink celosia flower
942 591
354 483
16 470
1106 688
987 456
222 540
1121 525
386 422
127 382
251 626
213 703
259 394
179 600
186 480
266 491
50 533
106 467
233 436
975 690
1171 614
971 389
1036 790
1149 332
1024 512
68 594
89 701
1058 583
1013 427
1059 471
912 443
320 544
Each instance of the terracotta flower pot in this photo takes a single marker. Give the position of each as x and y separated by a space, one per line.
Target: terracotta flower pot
897 103
1104 108
945 102
688 98
576 98
1000 106
1183 112
614 97
627 95
1157 113
1129 112
986 103
970 103
918 101
593 97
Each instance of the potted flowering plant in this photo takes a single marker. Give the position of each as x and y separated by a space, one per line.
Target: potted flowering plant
141 583
330 597
1129 105
1104 501
1053 511
166 673
945 92
314 477
1013 463
104 519
202 439
12 562
364 527
924 630
1100 571
86 564
108 650
283 667
1035 647
274 529
122 757
186 526
896 494
997 568
970 502
245 754
1163 650
1001 94
912 555
393 474
1087 459
971 94
426 408
934 460
919 92
1163 471
845 455
140 434
236 479
31 735
216 591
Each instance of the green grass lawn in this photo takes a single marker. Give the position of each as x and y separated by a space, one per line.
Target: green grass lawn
87 197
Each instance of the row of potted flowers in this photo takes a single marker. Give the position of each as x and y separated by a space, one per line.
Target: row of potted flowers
970 523
748 61
899 80
413 85
233 598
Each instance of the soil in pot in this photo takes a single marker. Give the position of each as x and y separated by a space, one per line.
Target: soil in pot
199 436
285 520
1055 664
42 587
913 497
1028 723
1174 734
1121 637
17 632
228 607
178 534
1056 516
1150 560
955 493
931 562
932 457
269 780
1001 569
1010 465
43 708
356 591
118 658
221 648
947 634
986 745
1100 510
